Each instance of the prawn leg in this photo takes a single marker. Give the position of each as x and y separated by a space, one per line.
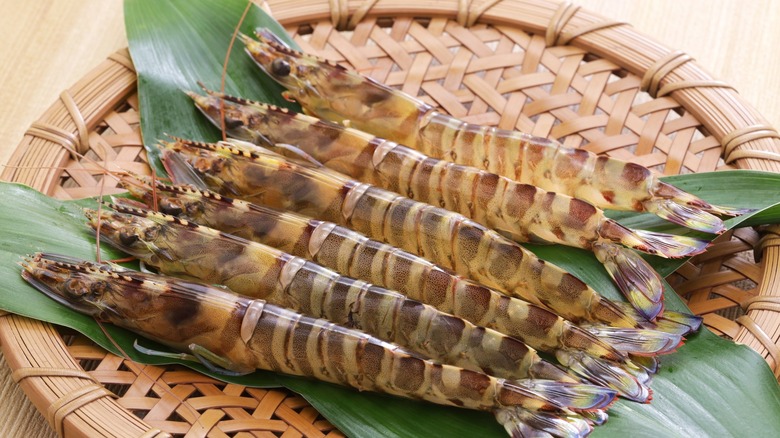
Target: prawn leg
213 362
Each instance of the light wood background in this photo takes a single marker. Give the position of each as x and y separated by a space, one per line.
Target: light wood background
47 45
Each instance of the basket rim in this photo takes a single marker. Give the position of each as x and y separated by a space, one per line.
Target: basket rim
753 145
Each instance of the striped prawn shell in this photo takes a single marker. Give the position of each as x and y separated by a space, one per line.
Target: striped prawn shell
253 334
353 254
182 248
600 180
446 238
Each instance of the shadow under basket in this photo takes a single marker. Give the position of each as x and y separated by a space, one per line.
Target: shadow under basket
549 69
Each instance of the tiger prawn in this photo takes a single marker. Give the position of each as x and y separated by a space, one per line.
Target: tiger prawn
232 333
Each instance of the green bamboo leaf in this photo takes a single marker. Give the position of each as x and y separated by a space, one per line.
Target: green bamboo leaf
176 43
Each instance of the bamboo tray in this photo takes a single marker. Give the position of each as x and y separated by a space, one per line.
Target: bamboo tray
550 69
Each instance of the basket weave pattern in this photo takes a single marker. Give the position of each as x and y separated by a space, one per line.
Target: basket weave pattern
181 401
556 72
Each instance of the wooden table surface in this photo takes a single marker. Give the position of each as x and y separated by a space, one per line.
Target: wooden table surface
47 45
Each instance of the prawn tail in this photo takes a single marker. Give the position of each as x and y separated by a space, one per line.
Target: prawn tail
660 244
181 171
648 364
673 246
614 313
578 396
620 376
522 423
670 321
664 191
687 216
638 342
635 278
729 211
548 371
583 339
598 417
677 322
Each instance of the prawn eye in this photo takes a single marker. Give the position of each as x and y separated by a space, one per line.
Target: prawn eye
233 123
150 233
127 237
194 209
171 208
280 67
99 287
76 287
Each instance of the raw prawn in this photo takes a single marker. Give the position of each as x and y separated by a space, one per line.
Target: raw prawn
239 334
334 93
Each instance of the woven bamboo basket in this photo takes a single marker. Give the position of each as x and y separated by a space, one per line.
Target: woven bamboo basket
550 69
